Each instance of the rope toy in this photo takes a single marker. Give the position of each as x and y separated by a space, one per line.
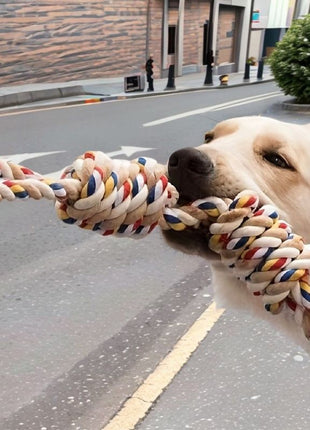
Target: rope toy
130 198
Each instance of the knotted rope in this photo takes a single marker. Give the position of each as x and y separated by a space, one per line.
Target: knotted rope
131 198
117 196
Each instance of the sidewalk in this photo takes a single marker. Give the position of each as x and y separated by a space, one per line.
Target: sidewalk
105 89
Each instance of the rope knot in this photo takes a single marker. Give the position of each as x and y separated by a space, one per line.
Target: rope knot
117 196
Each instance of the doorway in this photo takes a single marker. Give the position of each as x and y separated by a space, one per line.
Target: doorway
171 43
228 39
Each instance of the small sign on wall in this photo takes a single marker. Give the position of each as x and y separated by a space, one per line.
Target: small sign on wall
256 16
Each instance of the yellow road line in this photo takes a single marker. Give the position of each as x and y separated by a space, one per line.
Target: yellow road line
135 408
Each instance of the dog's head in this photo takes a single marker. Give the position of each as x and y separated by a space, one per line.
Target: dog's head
261 154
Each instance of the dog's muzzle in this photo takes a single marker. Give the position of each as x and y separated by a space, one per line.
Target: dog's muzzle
190 171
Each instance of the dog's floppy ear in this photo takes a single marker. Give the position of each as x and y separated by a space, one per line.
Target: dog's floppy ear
209 135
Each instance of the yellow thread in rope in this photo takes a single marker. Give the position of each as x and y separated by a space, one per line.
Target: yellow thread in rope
306 288
274 264
17 188
213 213
110 184
62 214
297 274
275 308
217 242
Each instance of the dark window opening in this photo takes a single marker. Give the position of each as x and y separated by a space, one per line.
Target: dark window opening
171 39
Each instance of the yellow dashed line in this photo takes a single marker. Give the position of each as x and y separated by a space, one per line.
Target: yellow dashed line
135 408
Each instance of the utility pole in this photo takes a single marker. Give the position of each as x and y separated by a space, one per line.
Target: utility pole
208 53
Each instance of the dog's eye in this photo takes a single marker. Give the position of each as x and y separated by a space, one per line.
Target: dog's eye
277 160
208 136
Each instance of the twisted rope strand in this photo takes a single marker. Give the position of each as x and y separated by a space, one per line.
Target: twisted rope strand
21 182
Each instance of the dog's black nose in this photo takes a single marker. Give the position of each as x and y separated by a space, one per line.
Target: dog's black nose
189 170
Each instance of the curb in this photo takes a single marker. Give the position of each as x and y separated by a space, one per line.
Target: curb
63 93
184 90
292 106
17 99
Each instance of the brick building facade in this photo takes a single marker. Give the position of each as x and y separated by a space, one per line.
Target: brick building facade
53 40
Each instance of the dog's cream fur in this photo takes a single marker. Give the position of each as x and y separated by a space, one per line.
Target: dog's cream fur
273 159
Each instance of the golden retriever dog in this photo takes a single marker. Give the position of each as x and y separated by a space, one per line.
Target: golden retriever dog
261 154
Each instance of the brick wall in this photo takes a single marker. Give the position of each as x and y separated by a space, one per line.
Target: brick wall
53 40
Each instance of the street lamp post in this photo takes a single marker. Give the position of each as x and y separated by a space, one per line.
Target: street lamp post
246 75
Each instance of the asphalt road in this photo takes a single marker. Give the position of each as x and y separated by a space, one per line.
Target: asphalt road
84 320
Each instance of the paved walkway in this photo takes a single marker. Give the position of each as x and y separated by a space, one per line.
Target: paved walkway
112 88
